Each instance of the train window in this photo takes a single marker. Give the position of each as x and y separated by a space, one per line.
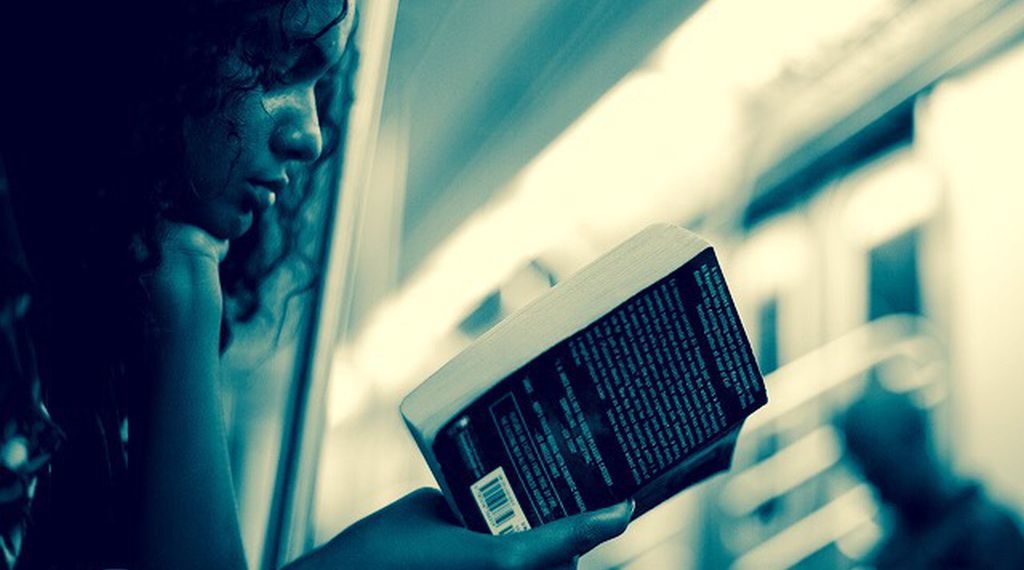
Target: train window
767 342
774 275
893 281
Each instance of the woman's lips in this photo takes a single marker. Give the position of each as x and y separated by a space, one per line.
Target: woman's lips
263 198
263 193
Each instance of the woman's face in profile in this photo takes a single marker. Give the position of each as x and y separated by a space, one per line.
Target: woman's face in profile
242 156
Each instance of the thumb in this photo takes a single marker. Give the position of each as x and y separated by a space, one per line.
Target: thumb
560 540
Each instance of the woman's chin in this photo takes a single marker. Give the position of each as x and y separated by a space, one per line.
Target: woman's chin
242 224
231 227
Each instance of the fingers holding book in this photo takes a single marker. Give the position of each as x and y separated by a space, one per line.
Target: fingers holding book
558 543
419 531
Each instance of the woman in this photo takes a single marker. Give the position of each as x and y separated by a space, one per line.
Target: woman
147 145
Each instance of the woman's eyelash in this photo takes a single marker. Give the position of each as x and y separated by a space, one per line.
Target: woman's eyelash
310 65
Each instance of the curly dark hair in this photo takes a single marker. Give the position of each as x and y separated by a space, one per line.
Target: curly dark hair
114 155
93 104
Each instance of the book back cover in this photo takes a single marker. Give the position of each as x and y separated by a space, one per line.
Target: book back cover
642 403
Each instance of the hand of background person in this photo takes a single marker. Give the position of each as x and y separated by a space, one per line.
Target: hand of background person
418 531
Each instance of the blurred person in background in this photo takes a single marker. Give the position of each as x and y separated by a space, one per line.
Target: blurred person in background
29 437
147 144
938 520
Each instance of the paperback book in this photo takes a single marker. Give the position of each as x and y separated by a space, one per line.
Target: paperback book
630 379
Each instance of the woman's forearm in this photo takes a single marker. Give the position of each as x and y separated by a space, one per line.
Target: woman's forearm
189 517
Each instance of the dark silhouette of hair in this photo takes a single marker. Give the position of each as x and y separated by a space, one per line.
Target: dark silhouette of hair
93 100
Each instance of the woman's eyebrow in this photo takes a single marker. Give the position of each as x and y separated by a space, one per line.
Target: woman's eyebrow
328 27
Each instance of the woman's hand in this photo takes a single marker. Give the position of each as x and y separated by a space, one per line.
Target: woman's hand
188 275
418 531
180 238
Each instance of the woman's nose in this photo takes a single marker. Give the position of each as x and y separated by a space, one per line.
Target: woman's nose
297 136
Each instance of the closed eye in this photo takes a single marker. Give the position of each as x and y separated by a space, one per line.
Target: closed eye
308 67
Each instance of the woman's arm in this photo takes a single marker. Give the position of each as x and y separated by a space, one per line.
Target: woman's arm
188 513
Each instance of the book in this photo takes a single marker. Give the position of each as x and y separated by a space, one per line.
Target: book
630 379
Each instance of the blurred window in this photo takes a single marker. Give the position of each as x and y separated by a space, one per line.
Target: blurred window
767 343
893 282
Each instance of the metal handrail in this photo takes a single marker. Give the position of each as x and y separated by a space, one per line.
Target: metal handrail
844 359
807 381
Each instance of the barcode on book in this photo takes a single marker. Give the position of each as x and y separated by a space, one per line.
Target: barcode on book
498 503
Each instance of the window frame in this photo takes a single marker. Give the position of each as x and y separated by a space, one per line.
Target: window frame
288 532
